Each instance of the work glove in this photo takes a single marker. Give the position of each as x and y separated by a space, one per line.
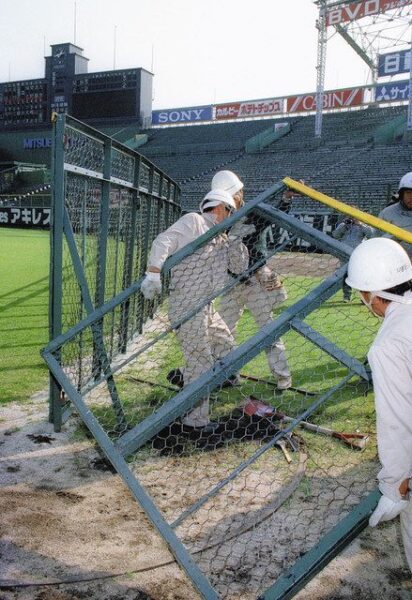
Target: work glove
264 274
270 280
151 285
241 230
387 510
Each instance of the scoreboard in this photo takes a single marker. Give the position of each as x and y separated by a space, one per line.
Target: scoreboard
110 94
104 105
124 94
23 103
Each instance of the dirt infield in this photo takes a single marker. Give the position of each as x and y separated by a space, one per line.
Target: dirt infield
70 526
299 263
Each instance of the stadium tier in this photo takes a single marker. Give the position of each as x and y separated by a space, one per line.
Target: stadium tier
348 163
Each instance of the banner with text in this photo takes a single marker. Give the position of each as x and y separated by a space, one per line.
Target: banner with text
190 114
25 217
358 10
258 108
394 63
331 99
392 92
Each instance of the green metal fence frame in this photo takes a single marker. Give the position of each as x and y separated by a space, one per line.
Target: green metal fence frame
167 194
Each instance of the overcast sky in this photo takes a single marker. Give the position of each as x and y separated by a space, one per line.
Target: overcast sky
202 52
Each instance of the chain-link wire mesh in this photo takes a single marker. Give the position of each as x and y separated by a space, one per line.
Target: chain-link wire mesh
243 403
112 204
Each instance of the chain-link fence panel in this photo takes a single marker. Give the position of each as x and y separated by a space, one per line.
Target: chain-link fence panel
242 412
108 205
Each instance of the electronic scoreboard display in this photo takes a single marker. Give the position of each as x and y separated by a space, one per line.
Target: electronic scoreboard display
101 105
103 95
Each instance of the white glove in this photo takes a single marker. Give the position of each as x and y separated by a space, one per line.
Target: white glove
264 274
387 510
241 230
151 285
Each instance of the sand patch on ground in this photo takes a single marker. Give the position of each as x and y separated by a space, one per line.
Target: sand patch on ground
67 518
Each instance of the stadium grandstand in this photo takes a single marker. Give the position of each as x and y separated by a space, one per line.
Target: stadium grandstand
350 162
353 160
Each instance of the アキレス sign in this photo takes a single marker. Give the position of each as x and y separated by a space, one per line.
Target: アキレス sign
25 217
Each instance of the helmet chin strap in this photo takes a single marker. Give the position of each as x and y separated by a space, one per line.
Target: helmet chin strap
369 304
393 297
386 296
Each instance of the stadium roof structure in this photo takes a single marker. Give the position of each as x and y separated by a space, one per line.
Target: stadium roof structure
371 28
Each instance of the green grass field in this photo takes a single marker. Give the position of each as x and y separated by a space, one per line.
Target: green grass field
24 297
349 325
24 289
24 327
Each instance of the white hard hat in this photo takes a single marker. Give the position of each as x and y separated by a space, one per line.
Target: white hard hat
228 181
405 182
216 197
378 264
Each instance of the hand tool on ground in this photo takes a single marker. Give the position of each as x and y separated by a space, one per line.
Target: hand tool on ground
282 446
152 383
354 440
253 406
273 383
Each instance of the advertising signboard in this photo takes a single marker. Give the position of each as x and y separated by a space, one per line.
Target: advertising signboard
358 10
331 99
25 217
391 92
394 63
190 114
253 108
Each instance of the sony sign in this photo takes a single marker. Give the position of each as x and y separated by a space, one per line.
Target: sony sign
358 10
182 115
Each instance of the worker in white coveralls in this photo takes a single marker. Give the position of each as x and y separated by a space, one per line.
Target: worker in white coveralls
351 232
205 337
381 270
400 213
259 292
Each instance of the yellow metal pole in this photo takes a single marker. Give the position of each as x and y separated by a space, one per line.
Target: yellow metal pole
305 190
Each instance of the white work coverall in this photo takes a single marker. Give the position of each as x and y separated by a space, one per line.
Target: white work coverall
398 215
390 358
260 302
205 337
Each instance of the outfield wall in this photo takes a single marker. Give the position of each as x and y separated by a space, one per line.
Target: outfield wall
26 217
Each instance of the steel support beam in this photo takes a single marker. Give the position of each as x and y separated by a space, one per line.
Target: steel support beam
320 67
56 262
360 51
409 118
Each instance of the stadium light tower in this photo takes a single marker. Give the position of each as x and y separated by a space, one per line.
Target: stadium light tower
320 66
370 27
